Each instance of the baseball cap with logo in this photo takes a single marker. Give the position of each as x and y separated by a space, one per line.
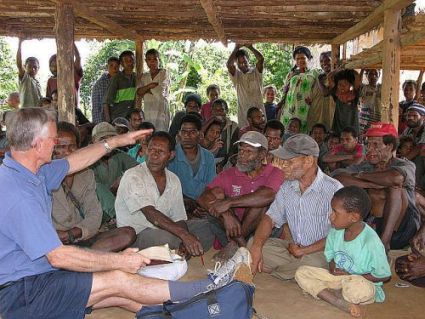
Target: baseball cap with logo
102 130
297 145
254 139
381 129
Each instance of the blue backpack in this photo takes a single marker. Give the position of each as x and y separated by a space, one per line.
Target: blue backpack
233 300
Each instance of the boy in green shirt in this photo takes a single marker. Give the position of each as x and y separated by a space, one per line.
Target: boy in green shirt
358 264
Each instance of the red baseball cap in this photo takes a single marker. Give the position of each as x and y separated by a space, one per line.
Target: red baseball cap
381 129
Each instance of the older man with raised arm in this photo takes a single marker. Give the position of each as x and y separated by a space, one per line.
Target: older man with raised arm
40 277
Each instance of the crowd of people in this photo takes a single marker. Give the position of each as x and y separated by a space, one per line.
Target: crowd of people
313 187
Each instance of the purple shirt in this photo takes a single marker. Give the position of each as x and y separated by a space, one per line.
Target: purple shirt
235 183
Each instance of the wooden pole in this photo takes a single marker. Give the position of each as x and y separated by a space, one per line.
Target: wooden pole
65 60
391 67
334 55
139 69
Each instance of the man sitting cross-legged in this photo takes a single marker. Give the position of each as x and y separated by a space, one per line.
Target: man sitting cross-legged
239 196
390 182
304 203
42 278
150 200
76 212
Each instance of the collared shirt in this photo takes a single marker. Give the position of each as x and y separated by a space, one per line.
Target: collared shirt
249 89
236 183
193 184
307 214
100 88
79 209
138 189
106 173
27 234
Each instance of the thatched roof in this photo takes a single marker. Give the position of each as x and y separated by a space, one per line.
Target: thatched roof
412 48
309 21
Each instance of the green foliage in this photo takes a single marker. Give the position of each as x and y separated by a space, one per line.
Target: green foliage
192 67
8 74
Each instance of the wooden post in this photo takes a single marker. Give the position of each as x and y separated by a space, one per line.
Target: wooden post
65 60
391 67
139 69
335 56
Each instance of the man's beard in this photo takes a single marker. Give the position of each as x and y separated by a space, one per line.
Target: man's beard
412 124
249 167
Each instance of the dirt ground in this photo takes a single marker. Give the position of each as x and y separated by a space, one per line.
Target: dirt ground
277 299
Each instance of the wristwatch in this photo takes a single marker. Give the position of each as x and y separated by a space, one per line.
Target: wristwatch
107 147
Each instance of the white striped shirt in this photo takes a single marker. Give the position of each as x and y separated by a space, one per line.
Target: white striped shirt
307 214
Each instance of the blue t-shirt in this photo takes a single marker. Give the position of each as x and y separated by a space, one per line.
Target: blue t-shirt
363 255
193 184
26 229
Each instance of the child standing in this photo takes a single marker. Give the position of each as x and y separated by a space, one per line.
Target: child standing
29 87
213 93
358 264
154 91
346 85
370 101
270 106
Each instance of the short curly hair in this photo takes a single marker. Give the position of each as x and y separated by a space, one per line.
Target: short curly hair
354 200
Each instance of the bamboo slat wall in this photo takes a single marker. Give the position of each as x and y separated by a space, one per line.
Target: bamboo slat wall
412 48
310 21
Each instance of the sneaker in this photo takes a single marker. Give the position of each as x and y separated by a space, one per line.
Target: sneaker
236 268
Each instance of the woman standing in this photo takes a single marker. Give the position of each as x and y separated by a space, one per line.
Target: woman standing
154 91
296 99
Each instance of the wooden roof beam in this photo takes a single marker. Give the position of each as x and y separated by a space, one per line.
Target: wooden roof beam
371 21
214 19
114 28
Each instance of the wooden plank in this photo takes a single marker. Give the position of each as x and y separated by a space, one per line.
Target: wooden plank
391 67
85 12
334 55
214 19
65 61
374 19
139 69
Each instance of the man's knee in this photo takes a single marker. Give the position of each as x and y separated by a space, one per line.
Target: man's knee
127 234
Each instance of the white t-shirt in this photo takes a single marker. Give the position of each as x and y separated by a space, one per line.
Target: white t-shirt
138 189
249 89
156 104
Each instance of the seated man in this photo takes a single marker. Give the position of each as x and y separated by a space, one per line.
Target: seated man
76 212
239 196
256 121
304 204
108 171
319 134
150 200
390 183
42 278
347 153
193 164
192 104
274 131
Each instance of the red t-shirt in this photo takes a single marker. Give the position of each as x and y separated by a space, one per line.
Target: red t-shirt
339 150
235 183
206 111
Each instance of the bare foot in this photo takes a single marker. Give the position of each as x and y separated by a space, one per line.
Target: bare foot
355 310
226 253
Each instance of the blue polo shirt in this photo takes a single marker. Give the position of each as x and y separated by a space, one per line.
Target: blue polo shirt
26 230
193 186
